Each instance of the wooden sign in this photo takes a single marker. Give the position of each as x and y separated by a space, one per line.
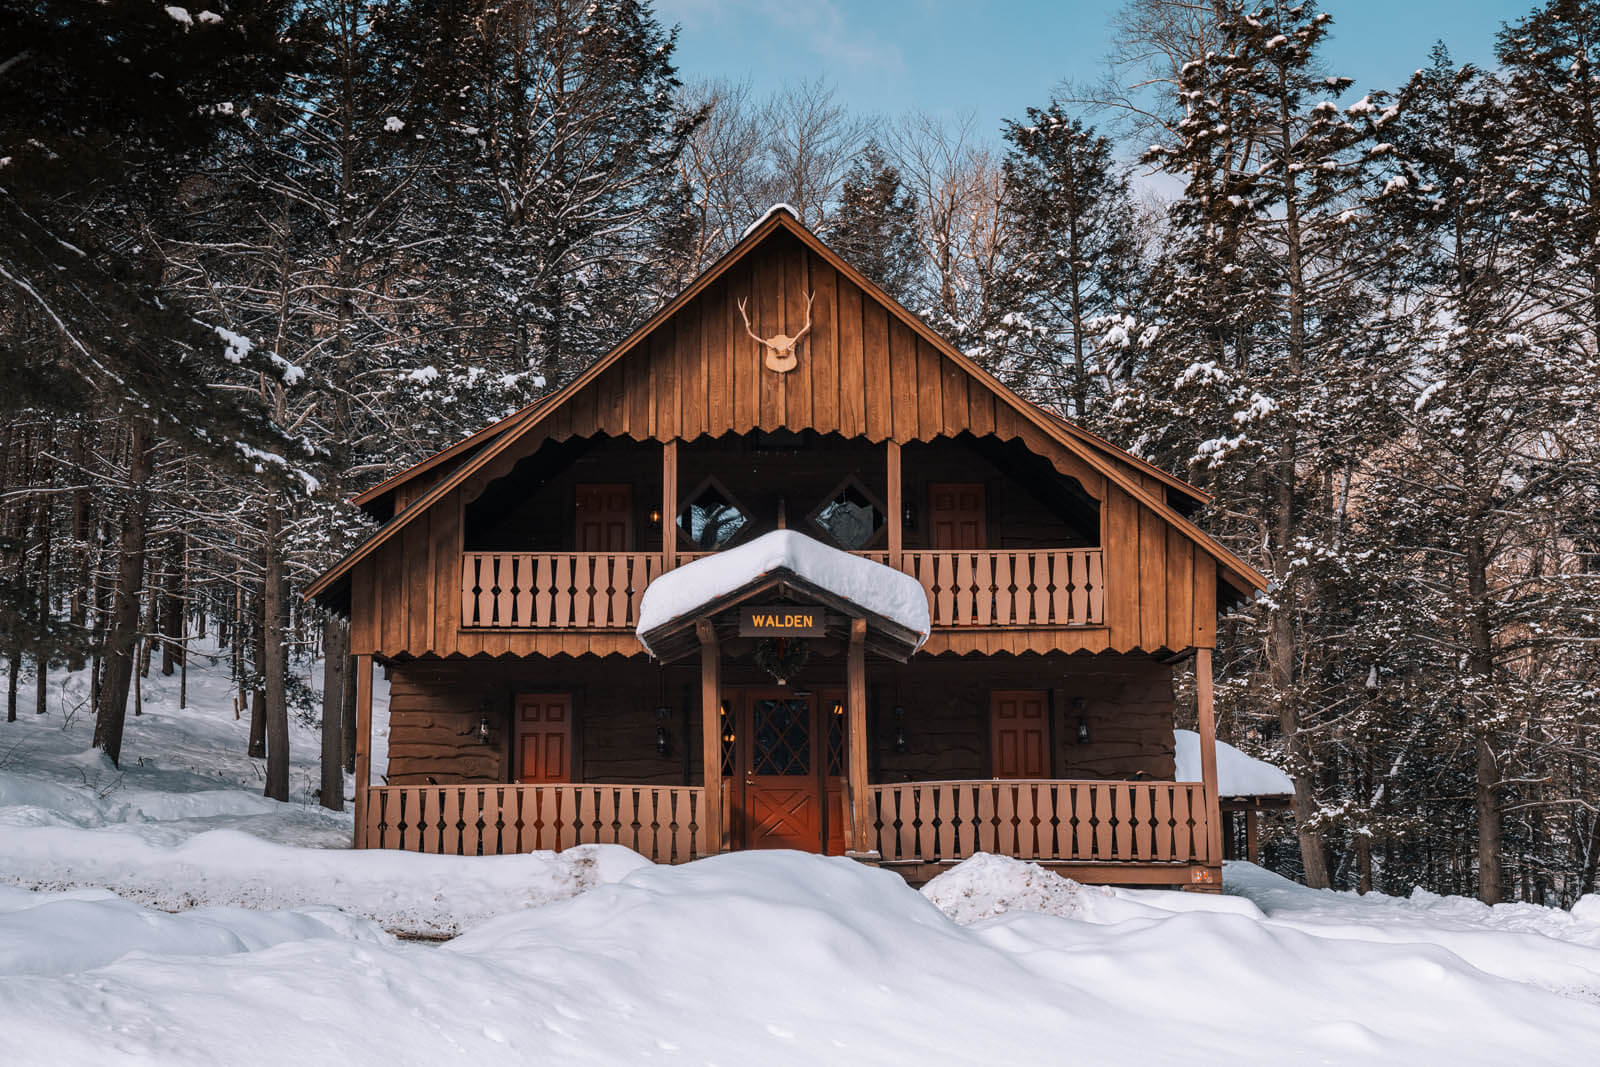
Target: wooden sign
781 620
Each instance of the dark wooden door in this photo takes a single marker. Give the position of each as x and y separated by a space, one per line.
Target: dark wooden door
605 518
1019 724
786 770
958 515
544 737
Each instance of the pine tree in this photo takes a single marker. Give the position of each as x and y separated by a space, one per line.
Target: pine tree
1271 356
874 226
561 138
1075 269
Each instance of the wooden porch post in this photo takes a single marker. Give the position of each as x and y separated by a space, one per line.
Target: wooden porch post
895 506
669 505
858 838
1208 754
1252 840
363 744
711 734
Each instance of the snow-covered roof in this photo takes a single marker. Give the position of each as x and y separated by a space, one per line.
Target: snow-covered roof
875 588
1238 775
767 214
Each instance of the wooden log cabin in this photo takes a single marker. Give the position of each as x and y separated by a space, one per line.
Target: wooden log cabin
1065 584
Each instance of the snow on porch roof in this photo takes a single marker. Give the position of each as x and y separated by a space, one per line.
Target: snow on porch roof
875 588
1238 775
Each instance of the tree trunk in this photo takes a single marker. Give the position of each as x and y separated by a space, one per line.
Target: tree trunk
335 665
258 695
277 707
1480 662
78 610
173 616
111 707
41 652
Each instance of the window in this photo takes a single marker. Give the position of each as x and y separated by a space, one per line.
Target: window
850 515
712 519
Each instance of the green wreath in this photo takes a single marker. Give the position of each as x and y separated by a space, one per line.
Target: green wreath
782 657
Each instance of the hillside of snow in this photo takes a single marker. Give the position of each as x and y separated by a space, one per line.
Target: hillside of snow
166 913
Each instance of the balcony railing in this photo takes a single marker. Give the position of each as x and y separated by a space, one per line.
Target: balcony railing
602 590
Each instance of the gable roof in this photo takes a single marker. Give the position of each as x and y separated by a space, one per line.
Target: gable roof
1117 467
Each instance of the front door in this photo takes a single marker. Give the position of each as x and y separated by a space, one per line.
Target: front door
786 770
1019 725
605 518
958 515
544 737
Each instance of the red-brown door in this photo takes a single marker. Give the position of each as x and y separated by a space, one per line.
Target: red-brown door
605 518
544 737
787 768
1019 724
958 515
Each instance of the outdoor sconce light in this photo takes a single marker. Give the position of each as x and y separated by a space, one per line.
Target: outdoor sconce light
655 518
908 515
1083 724
837 709
900 728
663 741
483 729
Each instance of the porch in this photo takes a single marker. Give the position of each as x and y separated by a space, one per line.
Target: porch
1143 832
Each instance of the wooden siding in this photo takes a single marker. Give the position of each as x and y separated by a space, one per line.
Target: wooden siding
862 373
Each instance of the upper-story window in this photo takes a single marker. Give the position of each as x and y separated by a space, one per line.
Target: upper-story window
850 515
712 519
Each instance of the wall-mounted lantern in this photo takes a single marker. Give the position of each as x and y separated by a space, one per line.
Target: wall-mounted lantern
663 739
654 518
483 729
1083 723
837 709
900 745
908 516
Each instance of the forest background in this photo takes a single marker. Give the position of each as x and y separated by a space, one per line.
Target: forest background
257 257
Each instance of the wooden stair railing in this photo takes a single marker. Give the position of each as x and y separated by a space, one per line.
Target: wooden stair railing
1053 820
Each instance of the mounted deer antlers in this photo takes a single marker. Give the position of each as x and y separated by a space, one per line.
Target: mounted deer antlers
780 347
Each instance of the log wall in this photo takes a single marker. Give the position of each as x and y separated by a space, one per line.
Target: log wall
435 708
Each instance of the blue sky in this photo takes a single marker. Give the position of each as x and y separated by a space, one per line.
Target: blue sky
996 58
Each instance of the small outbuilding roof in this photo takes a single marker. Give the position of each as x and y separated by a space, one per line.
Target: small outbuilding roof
1238 775
892 602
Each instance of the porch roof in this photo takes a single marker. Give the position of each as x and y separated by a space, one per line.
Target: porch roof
893 604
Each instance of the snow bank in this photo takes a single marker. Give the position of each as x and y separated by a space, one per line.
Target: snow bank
58 933
404 892
782 958
875 587
1238 775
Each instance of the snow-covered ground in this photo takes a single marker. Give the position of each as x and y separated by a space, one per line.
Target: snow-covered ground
237 931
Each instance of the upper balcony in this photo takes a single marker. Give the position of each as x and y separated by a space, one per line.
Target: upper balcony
1020 588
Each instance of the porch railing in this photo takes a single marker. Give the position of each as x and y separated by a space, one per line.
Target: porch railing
602 590
661 823
1088 822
